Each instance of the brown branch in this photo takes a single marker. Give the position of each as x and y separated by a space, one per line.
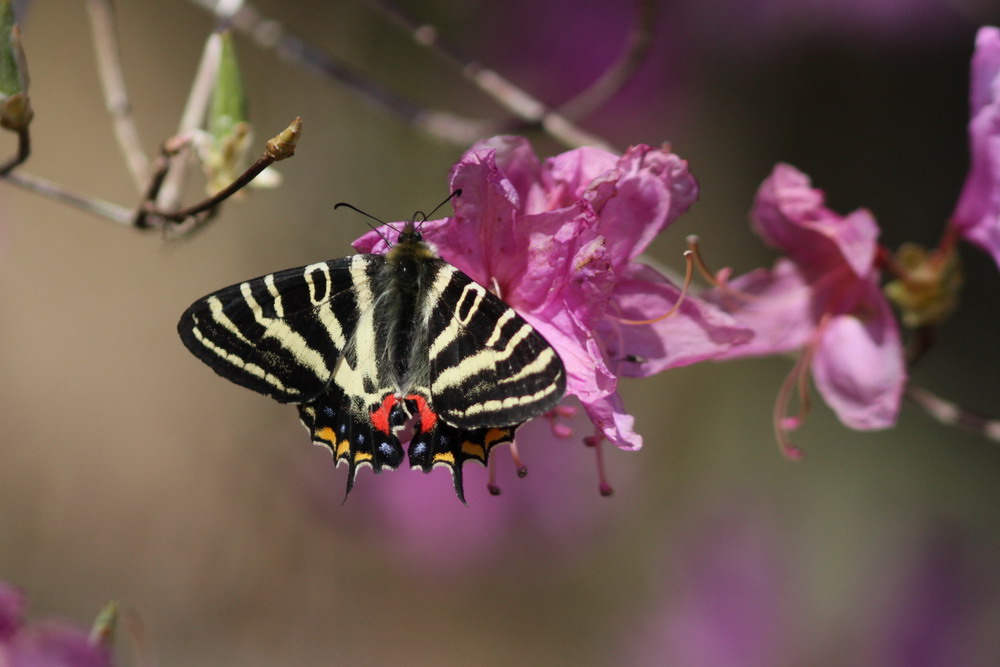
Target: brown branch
99 207
951 414
617 75
148 216
109 68
450 127
23 151
277 148
195 110
523 105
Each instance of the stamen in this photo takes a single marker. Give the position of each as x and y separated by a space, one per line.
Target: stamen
798 381
782 425
688 275
491 481
559 429
596 441
522 470
719 280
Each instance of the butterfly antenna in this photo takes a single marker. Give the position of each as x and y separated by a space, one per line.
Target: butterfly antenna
420 216
368 215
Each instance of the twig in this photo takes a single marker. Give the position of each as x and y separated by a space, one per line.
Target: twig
23 151
610 82
951 414
199 99
148 216
278 148
99 207
109 68
520 103
270 34
446 126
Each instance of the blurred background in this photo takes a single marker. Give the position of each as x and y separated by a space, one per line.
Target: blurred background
129 471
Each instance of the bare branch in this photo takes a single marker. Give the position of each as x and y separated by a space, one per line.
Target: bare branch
633 54
109 67
148 216
951 414
98 207
455 129
520 103
199 99
278 148
23 151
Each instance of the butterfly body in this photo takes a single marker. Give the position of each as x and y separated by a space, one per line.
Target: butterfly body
370 347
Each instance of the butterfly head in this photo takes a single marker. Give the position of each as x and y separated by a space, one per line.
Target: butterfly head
410 245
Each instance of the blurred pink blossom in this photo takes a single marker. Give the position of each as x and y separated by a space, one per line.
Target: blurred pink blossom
46 644
558 241
977 215
728 603
823 298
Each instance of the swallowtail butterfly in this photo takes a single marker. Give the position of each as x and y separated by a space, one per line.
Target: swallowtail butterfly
371 346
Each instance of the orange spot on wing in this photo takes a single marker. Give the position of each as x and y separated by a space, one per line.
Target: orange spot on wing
495 435
445 457
343 447
473 449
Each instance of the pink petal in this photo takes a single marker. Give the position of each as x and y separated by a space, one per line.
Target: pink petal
587 375
790 215
484 233
54 644
696 332
977 214
568 175
12 609
859 367
652 188
777 308
609 416
519 164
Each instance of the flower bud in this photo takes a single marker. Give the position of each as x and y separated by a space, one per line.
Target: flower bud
225 146
15 106
928 291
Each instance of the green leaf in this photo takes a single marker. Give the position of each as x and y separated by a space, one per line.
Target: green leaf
228 100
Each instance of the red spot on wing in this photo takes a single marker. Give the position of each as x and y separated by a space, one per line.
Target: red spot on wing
380 418
428 418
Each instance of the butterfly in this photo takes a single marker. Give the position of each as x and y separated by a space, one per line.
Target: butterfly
374 348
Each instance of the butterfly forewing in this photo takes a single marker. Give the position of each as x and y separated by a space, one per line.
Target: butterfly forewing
281 334
488 366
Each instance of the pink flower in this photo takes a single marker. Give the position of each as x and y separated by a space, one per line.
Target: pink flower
47 644
977 215
727 601
823 299
558 240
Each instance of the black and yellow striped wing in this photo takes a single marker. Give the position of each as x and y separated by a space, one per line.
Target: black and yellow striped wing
282 334
488 366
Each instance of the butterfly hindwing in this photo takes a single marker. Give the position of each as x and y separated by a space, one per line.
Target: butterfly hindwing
282 334
342 423
439 444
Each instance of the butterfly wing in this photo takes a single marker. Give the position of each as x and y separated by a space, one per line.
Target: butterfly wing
488 366
283 334
489 372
